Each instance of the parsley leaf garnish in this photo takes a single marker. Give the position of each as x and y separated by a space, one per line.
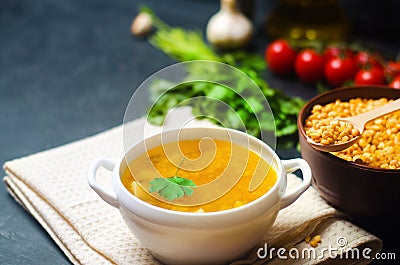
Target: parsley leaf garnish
173 187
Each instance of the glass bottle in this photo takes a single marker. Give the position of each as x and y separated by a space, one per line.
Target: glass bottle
322 20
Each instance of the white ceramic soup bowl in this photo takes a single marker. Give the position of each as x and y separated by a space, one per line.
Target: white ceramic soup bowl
176 237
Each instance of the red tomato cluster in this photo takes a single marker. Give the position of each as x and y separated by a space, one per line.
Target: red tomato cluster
335 65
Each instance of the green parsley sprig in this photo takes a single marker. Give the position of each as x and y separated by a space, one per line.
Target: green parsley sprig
173 187
186 45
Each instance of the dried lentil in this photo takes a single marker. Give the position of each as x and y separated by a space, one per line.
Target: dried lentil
313 241
379 144
330 131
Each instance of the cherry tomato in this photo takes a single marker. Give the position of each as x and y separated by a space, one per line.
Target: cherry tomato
392 69
280 57
372 76
395 82
309 66
334 51
338 70
365 59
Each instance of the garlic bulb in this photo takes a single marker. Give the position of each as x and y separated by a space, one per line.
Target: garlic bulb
142 24
229 28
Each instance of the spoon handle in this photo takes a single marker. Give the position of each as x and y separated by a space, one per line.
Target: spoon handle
375 113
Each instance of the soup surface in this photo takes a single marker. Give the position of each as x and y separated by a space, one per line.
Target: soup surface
220 176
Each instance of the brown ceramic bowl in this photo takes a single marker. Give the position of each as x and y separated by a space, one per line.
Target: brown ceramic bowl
359 190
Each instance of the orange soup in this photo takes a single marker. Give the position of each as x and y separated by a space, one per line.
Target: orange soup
199 176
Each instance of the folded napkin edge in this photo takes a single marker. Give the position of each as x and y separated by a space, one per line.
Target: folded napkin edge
18 194
19 197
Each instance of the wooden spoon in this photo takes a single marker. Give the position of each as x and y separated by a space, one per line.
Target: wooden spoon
358 122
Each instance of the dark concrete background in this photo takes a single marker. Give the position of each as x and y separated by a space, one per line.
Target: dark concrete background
68 69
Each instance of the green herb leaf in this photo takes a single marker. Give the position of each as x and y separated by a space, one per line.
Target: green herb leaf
173 187
186 45
181 181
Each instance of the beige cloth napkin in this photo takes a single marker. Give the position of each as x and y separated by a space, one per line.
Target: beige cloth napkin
52 186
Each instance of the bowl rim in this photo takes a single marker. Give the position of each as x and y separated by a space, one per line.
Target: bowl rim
302 116
280 177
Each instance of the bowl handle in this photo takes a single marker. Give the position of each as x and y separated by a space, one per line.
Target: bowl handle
291 166
106 195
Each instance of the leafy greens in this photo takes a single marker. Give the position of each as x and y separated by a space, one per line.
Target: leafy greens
173 187
186 45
